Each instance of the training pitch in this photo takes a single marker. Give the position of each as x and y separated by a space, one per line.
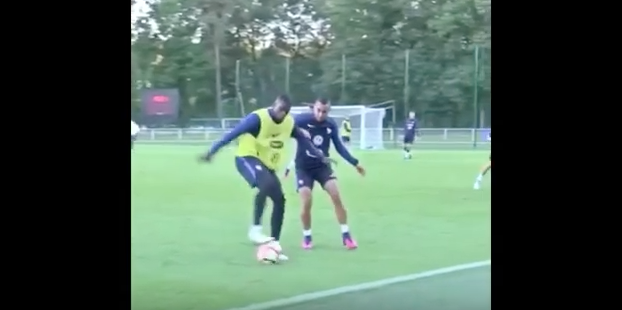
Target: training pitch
411 220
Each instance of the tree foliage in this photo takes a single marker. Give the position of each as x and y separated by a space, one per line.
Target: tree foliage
230 56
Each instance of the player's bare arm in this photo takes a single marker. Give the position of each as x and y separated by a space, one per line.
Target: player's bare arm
342 150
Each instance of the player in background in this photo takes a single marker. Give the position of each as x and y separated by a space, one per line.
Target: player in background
346 131
135 130
410 132
262 136
484 170
311 169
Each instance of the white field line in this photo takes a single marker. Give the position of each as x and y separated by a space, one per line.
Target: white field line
361 287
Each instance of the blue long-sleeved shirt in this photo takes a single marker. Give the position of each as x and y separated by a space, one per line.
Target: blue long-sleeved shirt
322 133
251 124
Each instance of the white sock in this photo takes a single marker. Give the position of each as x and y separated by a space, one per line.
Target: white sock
306 233
344 228
255 229
479 178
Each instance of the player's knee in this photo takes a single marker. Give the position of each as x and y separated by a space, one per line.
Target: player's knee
276 194
305 193
333 191
278 199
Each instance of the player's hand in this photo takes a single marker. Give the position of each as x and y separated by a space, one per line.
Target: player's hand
360 170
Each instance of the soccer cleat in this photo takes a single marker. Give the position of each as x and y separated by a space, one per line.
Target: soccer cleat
258 237
283 257
307 243
477 185
348 242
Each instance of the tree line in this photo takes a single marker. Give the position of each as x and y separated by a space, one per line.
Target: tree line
231 56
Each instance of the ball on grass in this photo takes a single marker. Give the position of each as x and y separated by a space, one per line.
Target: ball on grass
268 253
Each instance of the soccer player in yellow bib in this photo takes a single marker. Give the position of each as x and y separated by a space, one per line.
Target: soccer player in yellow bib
346 131
262 136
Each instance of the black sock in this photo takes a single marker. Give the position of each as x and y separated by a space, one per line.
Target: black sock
260 205
406 149
278 213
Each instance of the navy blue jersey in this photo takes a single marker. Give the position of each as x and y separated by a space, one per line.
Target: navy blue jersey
410 127
321 135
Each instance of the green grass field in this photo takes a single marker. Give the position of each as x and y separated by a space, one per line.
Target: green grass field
189 225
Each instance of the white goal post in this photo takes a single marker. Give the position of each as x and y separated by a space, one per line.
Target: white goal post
366 122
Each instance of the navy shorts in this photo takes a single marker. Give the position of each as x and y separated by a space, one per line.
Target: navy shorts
307 177
254 171
345 139
409 139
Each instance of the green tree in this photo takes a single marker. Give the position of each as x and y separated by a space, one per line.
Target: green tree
227 57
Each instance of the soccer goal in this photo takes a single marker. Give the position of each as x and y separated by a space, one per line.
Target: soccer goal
367 123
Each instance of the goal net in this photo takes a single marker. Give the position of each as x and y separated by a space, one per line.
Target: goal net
366 123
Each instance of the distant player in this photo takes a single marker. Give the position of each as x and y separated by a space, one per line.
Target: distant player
311 169
135 130
484 170
410 132
262 136
346 131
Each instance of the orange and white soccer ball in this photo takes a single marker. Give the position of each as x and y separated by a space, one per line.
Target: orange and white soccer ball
268 253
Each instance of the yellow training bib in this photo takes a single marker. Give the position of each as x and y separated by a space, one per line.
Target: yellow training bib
269 145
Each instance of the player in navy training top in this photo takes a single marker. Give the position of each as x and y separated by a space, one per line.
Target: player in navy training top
410 131
309 169
486 168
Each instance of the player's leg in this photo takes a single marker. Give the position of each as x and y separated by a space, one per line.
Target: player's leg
250 168
408 143
133 139
482 172
304 185
269 184
328 180
346 141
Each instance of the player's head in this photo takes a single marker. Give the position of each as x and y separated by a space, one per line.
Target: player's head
281 106
411 114
321 107
346 119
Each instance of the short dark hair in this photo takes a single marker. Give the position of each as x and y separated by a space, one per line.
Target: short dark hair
284 99
284 103
322 100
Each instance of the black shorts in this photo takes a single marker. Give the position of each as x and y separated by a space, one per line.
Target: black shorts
254 171
345 139
409 139
307 177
